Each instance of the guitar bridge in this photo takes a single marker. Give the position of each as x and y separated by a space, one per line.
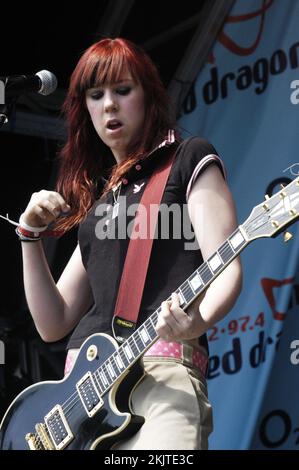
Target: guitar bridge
43 434
89 394
34 441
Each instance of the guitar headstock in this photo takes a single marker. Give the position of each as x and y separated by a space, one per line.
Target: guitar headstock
276 213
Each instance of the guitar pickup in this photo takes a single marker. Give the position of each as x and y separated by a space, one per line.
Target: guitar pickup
58 428
89 394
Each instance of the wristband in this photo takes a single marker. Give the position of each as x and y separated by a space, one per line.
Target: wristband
29 228
26 238
27 233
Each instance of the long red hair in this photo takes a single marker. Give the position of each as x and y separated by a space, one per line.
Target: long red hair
85 158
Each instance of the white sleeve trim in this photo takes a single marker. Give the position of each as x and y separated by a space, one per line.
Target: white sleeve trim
199 167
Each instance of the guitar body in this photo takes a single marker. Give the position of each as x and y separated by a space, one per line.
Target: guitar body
112 422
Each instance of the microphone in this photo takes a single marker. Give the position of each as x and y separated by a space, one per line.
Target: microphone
43 82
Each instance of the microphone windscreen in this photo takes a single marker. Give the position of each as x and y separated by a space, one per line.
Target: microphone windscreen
48 82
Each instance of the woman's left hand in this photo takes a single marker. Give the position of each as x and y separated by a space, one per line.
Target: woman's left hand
175 324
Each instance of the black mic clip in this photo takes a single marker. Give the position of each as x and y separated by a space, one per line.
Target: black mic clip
6 110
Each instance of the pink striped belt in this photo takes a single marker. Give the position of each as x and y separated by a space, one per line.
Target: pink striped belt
179 352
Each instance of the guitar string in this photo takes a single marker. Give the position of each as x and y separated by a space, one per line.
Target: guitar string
71 401
75 397
69 404
117 353
134 339
246 224
101 384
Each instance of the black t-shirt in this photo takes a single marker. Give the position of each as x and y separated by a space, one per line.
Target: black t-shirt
175 252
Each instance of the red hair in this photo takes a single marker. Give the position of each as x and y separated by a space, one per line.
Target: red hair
84 157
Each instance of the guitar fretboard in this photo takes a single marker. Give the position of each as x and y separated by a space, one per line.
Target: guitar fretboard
144 337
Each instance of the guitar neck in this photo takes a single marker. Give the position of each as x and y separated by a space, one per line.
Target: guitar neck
145 336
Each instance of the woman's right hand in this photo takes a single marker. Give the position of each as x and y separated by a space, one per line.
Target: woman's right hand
43 208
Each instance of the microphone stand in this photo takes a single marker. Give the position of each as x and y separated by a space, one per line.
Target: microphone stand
5 111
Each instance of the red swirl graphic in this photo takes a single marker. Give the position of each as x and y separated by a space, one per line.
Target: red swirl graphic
268 285
230 44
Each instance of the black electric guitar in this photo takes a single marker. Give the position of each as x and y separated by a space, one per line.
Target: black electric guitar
90 408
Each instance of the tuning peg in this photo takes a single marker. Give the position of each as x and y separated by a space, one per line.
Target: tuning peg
287 236
265 205
282 192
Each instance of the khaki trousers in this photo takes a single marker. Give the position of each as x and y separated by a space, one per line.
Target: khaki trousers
173 400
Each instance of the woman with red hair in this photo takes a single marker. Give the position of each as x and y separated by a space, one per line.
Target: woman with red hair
120 131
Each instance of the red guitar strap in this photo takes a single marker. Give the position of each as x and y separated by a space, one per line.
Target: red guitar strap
138 255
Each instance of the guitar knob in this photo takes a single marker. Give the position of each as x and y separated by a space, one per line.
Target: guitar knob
92 352
287 236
